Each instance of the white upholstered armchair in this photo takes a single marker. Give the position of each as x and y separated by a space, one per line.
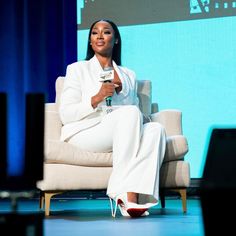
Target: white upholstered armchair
68 168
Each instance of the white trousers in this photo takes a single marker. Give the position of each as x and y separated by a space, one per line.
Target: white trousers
138 151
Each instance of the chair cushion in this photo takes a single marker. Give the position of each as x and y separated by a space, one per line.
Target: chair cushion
71 177
175 174
66 153
176 148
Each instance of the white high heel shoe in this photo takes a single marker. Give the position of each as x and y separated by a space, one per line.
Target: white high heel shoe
127 208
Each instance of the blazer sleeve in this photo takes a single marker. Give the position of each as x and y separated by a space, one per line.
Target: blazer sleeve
72 106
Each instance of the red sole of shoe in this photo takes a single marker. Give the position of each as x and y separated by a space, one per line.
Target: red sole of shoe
136 212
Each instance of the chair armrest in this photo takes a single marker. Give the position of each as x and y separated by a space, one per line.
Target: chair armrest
52 122
176 148
50 107
170 119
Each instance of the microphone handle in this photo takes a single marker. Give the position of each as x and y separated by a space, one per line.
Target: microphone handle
108 99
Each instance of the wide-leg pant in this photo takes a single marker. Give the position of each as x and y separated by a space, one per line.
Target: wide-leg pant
138 151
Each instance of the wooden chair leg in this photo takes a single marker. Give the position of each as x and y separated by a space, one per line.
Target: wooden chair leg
45 199
183 195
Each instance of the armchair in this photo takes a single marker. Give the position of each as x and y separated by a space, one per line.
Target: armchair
68 168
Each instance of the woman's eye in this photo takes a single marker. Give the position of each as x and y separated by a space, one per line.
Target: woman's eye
107 32
93 33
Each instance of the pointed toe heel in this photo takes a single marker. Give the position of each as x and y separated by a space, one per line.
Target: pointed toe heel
127 209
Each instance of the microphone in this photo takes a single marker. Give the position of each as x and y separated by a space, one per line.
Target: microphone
106 77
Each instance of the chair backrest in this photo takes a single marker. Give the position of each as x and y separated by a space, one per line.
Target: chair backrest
144 94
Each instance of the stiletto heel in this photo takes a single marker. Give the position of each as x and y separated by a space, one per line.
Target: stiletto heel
113 212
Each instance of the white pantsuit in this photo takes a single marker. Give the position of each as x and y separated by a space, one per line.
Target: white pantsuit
138 150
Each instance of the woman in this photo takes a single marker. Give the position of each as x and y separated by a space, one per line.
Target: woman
138 149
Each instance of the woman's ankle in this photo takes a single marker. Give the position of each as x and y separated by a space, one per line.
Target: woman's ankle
132 197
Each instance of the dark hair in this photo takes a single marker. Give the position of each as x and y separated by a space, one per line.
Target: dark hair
116 53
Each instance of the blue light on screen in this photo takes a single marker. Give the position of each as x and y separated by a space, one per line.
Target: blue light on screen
192 68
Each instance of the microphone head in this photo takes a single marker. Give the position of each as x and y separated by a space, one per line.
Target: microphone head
107 74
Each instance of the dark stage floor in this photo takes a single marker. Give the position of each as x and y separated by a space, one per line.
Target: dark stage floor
93 217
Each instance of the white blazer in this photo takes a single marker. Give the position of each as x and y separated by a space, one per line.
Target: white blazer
81 83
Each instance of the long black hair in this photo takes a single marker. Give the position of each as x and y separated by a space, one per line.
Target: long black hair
116 52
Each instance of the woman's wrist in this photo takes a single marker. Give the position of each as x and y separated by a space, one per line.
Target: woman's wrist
95 100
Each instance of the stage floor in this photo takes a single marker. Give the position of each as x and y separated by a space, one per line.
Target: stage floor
93 217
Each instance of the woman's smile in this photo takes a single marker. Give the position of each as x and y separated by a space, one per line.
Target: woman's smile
100 43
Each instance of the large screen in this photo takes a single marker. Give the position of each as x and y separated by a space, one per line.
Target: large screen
187 49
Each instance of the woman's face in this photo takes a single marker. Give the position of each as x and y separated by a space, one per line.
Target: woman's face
102 38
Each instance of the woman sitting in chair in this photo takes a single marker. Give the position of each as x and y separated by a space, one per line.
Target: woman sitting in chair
92 124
